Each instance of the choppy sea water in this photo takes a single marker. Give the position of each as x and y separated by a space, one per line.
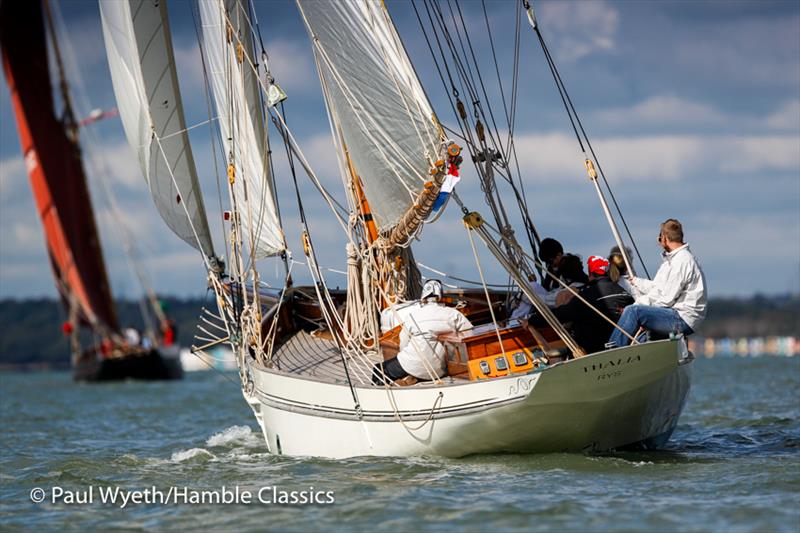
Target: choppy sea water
732 464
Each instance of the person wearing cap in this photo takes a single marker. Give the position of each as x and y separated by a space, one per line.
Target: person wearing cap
672 302
591 330
422 354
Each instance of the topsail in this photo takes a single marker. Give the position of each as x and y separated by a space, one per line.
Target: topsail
142 64
381 118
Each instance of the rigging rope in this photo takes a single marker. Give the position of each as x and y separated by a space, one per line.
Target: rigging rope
577 124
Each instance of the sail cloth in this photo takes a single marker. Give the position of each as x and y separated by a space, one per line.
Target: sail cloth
378 108
237 99
53 161
142 64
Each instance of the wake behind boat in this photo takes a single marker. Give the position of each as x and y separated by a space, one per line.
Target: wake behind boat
318 366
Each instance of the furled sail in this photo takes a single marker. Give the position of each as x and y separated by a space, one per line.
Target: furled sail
142 64
237 99
53 161
379 111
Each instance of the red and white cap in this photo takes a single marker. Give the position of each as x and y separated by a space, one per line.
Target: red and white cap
597 265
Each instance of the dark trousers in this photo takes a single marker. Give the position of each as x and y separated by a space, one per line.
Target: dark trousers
391 370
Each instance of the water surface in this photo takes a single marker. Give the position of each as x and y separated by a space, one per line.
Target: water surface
732 464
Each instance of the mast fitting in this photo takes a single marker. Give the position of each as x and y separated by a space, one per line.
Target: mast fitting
590 169
473 220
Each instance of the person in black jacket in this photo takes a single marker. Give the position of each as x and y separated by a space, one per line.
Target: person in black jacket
551 252
590 330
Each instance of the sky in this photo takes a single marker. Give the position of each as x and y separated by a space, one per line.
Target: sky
693 109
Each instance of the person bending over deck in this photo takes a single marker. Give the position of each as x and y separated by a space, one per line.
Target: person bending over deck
524 308
591 330
571 269
551 253
561 265
421 354
675 300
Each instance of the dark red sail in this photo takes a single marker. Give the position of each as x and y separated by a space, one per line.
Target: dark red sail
53 160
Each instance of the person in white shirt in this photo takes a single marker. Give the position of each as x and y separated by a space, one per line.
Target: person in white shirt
422 354
132 336
675 300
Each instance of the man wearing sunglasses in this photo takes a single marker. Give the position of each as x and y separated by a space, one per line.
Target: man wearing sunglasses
675 300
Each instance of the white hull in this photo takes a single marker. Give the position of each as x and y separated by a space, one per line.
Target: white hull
608 400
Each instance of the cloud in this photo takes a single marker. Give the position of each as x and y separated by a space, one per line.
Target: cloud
579 29
117 161
190 64
749 51
786 117
291 63
320 152
13 178
658 157
662 110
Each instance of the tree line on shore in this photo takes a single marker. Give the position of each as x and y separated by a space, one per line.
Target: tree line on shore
31 333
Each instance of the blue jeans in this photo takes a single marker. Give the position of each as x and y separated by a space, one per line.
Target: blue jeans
659 320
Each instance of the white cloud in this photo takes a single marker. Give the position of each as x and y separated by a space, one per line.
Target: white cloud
291 63
320 152
662 110
579 29
13 178
786 117
661 157
117 162
761 154
190 65
747 51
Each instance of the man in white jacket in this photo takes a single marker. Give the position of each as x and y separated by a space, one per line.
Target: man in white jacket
675 300
421 354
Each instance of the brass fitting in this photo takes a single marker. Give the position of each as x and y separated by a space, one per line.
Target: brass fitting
590 169
473 220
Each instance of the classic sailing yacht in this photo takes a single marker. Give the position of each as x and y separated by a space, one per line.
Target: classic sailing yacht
53 160
306 353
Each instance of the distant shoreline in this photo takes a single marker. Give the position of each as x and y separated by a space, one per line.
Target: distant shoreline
32 338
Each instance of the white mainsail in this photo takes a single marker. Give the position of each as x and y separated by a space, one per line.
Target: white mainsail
378 108
142 64
236 96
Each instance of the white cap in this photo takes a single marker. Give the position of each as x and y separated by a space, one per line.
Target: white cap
432 289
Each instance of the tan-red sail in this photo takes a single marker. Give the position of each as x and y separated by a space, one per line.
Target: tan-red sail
53 161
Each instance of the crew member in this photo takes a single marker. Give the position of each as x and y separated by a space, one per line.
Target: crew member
591 330
421 354
132 336
551 252
675 300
